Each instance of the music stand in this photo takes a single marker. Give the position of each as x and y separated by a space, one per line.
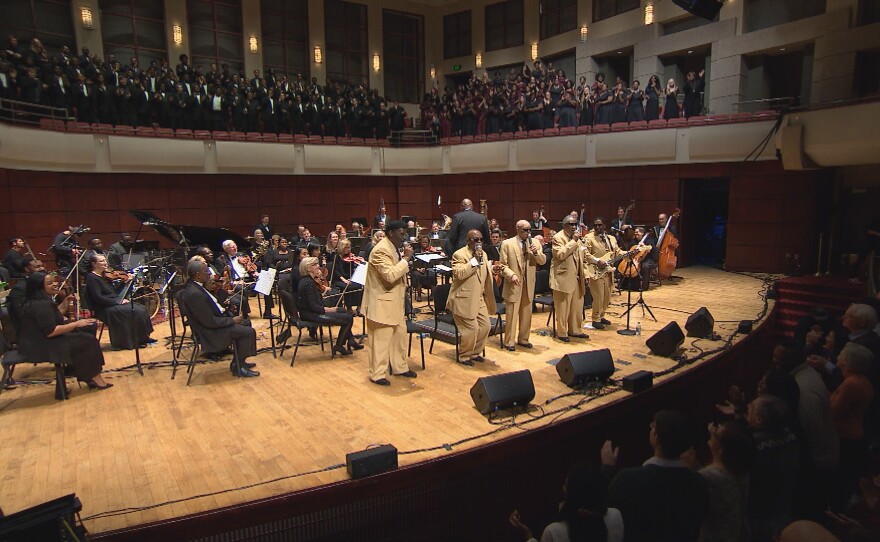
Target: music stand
640 301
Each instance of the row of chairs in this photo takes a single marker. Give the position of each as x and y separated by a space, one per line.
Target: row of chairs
681 122
75 127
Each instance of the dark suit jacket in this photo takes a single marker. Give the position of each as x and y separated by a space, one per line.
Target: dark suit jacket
462 223
211 325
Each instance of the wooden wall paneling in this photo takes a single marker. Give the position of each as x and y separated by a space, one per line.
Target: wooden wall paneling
202 217
753 234
29 198
756 210
193 197
102 224
46 223
765 186
745 258
655 188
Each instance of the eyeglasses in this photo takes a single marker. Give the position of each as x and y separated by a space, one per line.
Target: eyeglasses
477 239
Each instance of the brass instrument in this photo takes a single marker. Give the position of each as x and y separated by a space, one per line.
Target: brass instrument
261 249
484 208
447 222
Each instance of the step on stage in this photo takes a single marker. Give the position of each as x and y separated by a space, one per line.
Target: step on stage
155 449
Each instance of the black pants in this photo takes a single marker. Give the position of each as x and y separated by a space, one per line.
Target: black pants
342 319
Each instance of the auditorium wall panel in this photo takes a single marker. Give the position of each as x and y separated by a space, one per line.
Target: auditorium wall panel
771 212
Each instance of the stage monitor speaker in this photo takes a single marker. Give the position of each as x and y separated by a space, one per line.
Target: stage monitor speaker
639 381
666 341
707 9
744 327
578 368
496 392
371 461
700 324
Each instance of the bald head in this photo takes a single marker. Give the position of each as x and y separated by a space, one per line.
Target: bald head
466 204
806 531
523 228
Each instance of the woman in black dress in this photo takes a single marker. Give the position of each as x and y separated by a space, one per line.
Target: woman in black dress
45 335
128 323
693 94
604 101
618 104
278 257
586 107
635 110
652 109
311 307
670 110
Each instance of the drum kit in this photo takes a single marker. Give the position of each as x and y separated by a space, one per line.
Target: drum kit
151 276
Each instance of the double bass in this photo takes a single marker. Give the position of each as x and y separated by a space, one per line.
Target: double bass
667 243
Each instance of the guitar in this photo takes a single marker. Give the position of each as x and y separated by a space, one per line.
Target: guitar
595 272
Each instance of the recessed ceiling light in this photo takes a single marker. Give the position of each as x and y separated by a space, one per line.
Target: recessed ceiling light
782 48
690 52
620 52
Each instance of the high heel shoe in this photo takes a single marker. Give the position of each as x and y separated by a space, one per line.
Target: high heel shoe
341 350
353 345
95 386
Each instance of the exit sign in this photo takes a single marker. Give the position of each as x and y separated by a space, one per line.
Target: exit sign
456 68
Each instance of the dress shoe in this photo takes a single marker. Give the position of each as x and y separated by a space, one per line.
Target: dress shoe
268 316
525 345
381 382
598 325
606 322
564 339
468 362
354 345
248 364
342 351
283 336
478 358
150 340
95 386
246 373
579 336
509 348
408 374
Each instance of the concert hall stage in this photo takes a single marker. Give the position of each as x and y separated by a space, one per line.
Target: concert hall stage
151 449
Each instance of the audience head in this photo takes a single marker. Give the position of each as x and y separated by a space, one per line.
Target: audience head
768 413
782 385
855 359
585 503
671 434
859 317
806 531
788 356
732 445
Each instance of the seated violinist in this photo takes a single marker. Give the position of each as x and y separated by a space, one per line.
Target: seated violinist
242 273
312 309
342 268
222 288
128 323
648 262
45 335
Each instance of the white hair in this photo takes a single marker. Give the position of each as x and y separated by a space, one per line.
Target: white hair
858 358
865 315
228 243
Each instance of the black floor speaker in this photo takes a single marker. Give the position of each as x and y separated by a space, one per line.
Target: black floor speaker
639 381
707 9
700 324
496 392
371 461
578 368
666 341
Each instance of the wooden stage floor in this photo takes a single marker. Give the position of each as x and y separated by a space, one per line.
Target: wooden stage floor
163 449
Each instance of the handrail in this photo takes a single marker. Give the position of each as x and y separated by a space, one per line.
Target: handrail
769 103
19 112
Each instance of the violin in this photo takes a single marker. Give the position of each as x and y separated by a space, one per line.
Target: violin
351 258
116 274
65 291
247 263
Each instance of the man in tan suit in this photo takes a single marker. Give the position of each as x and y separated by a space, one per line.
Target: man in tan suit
567 280
471 297
520 256
600 247
383 305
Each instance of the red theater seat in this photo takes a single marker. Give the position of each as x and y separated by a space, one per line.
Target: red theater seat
585 129
551 131
285 138
253 136
165 132
601 128
384 143
329 140
619 127
506 135
106 129
58 125
269 138
638 125
202 134
676 122
467 139
124 130
145 131
657 123
219 135
183 133
568 130
493 137
356 142
237 136
698 120
521 135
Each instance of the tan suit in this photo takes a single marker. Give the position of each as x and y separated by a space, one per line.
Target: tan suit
567 281
471 301
383 306
518 298
600 283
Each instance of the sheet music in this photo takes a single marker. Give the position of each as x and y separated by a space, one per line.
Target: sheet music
443 268
429 257
265 280
360 274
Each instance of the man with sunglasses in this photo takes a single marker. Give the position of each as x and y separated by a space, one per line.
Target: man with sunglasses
521 256
471 297
598 247
567 280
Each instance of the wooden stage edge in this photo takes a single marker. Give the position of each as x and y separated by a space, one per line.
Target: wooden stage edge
152 449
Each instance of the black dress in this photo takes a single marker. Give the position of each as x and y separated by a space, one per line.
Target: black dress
354 293
603 111
652 109
670 111
635 111
79 350
119 318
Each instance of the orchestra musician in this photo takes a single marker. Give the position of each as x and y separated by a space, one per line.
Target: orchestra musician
618 224
265 227
223 286
377 236
343 266
520 256
216 329
311 307
279 257
649 261
66 250
538 221
462 223
567 279
119 251
45 334
15 299
436 232
128 323
96 247
599 246
383 305
662 219
381 218
472 297
14 261
241 277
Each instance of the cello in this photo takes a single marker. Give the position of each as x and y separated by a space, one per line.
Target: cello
667 243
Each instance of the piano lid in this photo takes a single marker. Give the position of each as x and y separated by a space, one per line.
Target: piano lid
181 234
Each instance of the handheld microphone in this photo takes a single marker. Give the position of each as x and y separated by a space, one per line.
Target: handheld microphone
478 248
148 223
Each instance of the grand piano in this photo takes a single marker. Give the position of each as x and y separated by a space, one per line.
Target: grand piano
187 236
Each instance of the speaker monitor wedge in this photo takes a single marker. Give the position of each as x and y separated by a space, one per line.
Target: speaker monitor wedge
666 341
700 324
707 9
497 392
578 368
371 461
